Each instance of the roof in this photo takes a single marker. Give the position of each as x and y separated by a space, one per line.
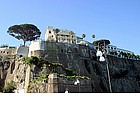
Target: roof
63 33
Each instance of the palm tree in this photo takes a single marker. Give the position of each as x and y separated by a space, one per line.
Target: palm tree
133 56
93 36
83 36
71 36
129 55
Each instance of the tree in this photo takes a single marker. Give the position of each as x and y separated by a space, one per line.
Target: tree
83 35
72 36
56 31
4 46
93 36
102 42
25 32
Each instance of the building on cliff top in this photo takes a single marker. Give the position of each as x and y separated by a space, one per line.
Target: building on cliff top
60 35
73 53
63 36
56 35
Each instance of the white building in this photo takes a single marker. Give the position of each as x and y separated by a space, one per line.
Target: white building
35 45
8 51
116 49
60 35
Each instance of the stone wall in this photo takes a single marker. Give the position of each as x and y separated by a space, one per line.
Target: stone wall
124 73
56 84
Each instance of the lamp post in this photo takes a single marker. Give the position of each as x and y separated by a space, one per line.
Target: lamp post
100 54
77 82
108 73
67 89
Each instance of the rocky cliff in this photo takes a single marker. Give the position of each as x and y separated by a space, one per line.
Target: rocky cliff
124 73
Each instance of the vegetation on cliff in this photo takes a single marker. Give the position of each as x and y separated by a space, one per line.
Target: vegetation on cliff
53 68
9 87
40 62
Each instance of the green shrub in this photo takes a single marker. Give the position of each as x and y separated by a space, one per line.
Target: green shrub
70 72
9 87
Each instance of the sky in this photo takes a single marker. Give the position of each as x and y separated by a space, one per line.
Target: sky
116 20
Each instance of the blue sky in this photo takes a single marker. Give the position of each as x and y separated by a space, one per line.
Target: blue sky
116 20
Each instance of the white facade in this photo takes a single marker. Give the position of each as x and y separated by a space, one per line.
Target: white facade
118 50
59 35
8 51
35 45
22 51
50 34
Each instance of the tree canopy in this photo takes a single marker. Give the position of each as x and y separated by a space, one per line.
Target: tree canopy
101 42
56 30
83 35
93 36
25 32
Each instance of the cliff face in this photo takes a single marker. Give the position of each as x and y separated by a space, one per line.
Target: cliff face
124 73
7 66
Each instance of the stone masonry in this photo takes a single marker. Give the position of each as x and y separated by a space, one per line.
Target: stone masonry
124 73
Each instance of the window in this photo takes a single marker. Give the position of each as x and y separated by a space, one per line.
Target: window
49 32
62 50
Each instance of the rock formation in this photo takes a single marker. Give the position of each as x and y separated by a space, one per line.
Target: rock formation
124 73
